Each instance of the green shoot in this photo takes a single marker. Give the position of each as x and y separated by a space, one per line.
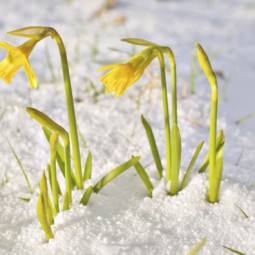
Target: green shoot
88 168
25 199
47 122
197 247
144 177
191 164
239 158
219 144
86 196
215 159
50 179
176 159
246 117
153 145
60 155
44 209
21 167
233 251
242 211
114 173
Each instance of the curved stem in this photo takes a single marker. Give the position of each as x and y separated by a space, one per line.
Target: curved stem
70 110
170 55
166 114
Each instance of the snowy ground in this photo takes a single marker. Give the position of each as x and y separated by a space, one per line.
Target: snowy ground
121 219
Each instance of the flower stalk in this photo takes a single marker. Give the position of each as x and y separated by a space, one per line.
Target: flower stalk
215 157
38 33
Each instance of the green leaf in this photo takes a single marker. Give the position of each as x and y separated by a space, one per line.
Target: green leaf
138 41
191 165
242 211
144 177
60 155
153 145
67 201
49 174
42 216
176 159
88 168
25 199
47 203
21 167
197 247
47 122
234 251
219 143
86 196
114 173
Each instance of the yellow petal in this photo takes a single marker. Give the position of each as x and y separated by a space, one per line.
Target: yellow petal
30 75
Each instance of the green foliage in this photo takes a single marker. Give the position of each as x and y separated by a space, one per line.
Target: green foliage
21 167
153 145
233 250
114 173
197 247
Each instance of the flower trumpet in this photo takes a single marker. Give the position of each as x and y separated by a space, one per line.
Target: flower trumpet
15 59
121 76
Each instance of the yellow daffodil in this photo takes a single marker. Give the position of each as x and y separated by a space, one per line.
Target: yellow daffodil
15 59
121 76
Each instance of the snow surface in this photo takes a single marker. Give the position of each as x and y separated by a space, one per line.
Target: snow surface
121 219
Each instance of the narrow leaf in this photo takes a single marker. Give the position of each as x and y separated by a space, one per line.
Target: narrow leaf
242 211
234 251
50 180
191 165
41 213
219 143
138 41
21 167
197 247
176 159
60 155
88 168
153 145
25 199
114 173
47 203
86 196
144 177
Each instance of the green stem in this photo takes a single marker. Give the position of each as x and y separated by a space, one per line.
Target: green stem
170 55
212 194
70 110
68 172
54 182
166 115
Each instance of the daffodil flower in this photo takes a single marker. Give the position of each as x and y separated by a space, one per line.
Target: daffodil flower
15 59
121 76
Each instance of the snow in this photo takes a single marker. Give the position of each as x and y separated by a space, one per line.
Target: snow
121 219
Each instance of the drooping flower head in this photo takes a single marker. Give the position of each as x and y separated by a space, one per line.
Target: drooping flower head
121 76
15 59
